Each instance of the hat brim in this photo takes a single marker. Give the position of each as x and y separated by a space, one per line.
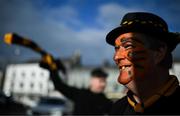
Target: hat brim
172 39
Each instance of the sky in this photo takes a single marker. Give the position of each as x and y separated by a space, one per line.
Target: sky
65 27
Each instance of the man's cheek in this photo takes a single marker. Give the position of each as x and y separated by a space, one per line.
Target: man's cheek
139 72
139 62
136 54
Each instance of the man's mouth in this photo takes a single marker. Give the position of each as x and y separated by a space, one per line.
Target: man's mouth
126 73
123 67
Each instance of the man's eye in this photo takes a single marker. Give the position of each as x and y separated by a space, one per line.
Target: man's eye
129 46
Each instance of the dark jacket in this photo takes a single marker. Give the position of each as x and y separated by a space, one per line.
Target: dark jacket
85 101
8 106
164 106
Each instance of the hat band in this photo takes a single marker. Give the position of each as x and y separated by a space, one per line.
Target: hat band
127 23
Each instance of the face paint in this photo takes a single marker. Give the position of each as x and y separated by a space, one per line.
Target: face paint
126 75
131 57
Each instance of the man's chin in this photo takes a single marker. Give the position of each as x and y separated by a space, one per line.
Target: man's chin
132 86
124 80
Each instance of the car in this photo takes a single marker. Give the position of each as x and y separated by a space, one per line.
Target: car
50 106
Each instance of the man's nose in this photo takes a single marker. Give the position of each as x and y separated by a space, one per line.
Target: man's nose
120 54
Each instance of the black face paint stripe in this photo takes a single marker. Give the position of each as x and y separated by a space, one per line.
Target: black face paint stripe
129 73
138 41
137 55
139 52
138 66
138 59
133 53
124 40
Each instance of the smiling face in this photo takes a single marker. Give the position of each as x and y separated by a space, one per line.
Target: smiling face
133 57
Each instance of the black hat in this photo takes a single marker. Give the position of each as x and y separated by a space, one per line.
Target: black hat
147 23
98 72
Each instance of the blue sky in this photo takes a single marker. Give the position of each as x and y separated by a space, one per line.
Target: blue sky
63 27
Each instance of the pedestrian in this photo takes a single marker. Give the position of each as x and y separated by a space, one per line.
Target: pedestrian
90 101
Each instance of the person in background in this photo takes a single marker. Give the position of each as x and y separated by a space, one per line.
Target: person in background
143 53
91 101
8 106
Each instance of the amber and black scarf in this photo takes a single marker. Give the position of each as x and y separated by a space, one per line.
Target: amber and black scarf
166 90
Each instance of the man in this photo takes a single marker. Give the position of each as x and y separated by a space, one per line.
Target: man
143 54
86 101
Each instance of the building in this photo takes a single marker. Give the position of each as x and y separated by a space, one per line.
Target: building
28 82
23 81
31 81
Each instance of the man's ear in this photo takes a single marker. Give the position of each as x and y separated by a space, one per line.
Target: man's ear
160 54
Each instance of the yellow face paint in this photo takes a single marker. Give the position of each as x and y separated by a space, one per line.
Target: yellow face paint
131 58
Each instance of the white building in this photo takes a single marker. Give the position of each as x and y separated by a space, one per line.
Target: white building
24 81
27 82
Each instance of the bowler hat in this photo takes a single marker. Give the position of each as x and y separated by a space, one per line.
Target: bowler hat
147 23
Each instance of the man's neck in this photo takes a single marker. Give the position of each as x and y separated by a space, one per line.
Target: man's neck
165 90
160 78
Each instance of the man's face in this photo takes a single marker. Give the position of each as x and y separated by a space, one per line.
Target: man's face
133 58
97 84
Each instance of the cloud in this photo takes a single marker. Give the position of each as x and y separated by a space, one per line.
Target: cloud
110 14
60 30
63 14
26 19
